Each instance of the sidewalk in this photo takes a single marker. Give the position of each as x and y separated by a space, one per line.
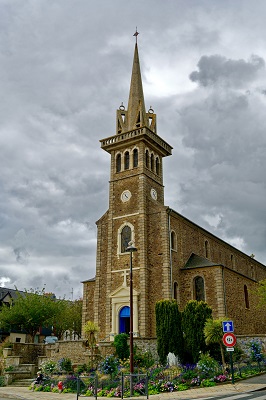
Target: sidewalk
248 385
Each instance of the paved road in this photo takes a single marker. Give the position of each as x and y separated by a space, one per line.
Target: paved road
261 395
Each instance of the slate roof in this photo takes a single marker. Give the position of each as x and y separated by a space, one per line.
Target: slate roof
11 292
196 261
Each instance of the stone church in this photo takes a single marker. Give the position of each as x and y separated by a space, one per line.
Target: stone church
175 258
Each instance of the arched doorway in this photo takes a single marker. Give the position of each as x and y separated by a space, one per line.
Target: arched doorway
124 318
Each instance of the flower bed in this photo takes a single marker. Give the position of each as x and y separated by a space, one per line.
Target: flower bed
111 376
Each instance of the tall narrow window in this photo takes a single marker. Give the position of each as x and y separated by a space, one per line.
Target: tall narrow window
175 290
147 158
126 160
157 166
199 289
246 296
125 238
118 163
252 272
135 158
152 162
233 264
173 240
207 249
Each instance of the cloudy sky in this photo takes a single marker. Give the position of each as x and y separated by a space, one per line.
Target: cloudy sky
65 67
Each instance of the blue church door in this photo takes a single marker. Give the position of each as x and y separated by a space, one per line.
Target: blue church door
124 318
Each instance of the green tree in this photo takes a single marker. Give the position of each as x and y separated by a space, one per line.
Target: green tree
90 331
30 310
194 317
213 334
121 346
168 329
261 292
76 317
68 318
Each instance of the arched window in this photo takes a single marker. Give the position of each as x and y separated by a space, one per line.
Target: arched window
199 291
118 163
207 249
246 296
173 240
152 162
147 158
126 160
175 290
157 166
124 320
135 158
125 238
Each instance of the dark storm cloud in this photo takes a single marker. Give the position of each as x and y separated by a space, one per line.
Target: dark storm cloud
226 131
216 69
65 69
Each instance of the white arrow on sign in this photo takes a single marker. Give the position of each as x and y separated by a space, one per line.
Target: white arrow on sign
227 326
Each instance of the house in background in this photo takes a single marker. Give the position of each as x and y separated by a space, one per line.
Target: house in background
13 335
7 297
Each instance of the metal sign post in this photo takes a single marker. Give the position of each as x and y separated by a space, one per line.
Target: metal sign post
229 340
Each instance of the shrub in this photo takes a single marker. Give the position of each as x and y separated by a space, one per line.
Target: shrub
143 360
121 346
168 330
46 388
207 366
49 367
256 351
220 378
67 390
182 386
89 393
81 368
207 383
109 366
70 383
65 364
194 316
2 381
188 371
38 388
9 369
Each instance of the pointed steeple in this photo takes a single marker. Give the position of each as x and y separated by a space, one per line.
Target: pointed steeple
135 116
136 112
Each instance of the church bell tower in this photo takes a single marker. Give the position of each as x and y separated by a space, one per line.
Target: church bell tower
136 213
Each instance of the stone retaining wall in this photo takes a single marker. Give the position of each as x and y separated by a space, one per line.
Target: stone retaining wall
79 354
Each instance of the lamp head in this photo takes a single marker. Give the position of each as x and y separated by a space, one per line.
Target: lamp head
130 247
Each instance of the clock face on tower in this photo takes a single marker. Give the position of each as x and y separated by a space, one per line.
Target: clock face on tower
154 194
125 196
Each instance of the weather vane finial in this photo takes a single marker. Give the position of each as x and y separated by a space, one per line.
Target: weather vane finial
136 34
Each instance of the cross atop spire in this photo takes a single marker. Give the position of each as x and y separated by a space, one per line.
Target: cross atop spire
136 34
135 116
136 105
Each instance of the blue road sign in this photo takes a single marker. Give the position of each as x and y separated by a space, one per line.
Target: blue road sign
228 326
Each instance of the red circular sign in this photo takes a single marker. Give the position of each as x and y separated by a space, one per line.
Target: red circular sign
229 339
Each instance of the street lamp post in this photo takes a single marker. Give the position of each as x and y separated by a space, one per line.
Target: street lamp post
131 249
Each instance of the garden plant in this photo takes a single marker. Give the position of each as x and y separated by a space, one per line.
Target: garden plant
106 379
